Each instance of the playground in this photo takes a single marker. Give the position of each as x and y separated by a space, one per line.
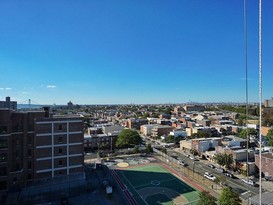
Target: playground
153 183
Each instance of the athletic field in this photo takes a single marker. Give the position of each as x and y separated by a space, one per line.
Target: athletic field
153 184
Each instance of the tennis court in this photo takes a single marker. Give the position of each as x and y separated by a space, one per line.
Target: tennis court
153 184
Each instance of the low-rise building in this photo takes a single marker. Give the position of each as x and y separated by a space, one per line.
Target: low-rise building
134 123
267 163
147 129
190 108
232 140
179 133
201 145
160 130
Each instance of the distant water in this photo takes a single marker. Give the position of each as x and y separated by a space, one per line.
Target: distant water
27 106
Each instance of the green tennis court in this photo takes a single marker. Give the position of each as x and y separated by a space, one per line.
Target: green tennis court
153 184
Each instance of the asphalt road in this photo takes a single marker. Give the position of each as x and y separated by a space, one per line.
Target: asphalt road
201 166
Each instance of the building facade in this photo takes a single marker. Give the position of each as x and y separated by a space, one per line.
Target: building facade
36 146
8 104
267 163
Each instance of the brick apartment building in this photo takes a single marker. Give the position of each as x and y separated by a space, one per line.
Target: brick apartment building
160 130
267 163
8 104
36 146
134 123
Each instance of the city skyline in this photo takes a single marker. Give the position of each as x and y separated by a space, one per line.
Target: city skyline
141 52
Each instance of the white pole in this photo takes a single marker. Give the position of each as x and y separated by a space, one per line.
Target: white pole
260 99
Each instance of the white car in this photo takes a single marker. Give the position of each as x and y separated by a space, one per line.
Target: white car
219 169
209 176
249 181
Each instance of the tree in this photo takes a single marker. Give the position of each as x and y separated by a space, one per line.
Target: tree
128 138
149 148
240 121
146 114
206 198
269 137
204 133
248 132
224 159
169 139
229 197
136 150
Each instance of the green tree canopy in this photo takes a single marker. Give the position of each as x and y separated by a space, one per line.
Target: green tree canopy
149 148
269 137
128 138
224 159
249 131
206 198
169 139
229 197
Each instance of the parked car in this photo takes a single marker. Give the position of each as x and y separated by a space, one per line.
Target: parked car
221 170
211 166
209 176
268 178
249 181
229 175
183 163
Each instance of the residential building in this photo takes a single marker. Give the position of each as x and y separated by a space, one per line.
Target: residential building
134 123
268 103
232 141
267 163
160 130
179 133
112 129
36 146
178 110
147 129
190 108
201 145
12 105
203 122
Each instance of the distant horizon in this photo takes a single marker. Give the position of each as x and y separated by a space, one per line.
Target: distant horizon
124 52
182 103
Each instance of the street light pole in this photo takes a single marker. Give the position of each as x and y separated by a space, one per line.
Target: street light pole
193 166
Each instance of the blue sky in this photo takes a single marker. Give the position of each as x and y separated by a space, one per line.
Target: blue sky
138 51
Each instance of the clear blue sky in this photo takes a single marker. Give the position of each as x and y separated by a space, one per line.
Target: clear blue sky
137 51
